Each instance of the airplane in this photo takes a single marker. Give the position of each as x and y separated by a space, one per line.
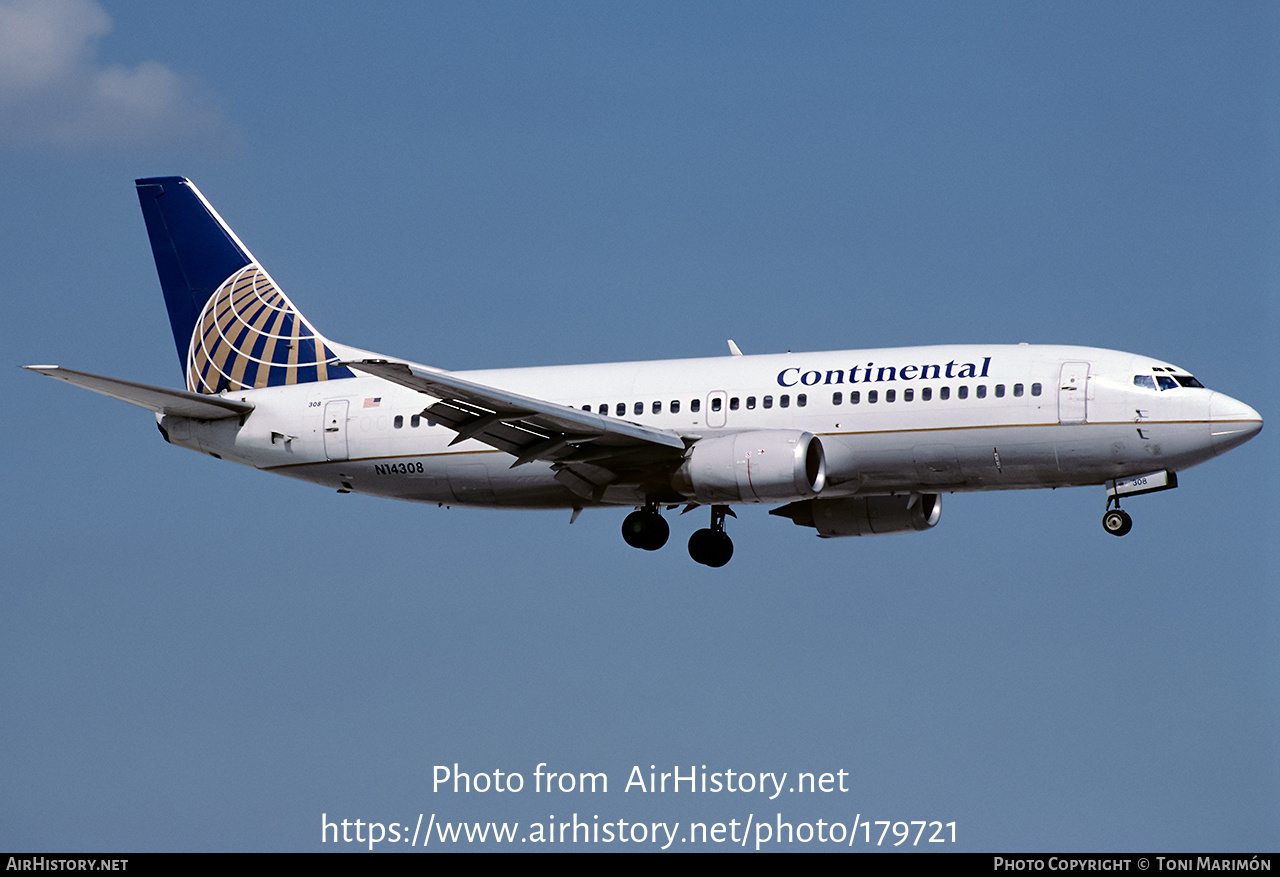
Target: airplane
848 443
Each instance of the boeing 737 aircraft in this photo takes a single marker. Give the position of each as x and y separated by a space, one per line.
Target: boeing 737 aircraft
850 443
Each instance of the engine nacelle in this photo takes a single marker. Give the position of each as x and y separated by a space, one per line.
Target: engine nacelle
766 465
865 515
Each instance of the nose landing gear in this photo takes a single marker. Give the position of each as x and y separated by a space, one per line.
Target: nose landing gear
1115 521
712 546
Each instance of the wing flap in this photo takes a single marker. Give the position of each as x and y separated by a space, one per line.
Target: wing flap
162 400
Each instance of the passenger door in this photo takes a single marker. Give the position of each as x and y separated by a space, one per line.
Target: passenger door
1073 385
335 429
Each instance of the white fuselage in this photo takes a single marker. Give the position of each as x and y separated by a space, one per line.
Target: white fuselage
925 420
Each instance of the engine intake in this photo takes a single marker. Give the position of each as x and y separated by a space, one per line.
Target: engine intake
865 515
766 465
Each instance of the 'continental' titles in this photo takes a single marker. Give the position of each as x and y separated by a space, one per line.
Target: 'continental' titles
790 377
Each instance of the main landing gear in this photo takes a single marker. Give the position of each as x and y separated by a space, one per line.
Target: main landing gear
1115 521
646 528
712 546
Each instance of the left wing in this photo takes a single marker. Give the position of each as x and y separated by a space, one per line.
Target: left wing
588 451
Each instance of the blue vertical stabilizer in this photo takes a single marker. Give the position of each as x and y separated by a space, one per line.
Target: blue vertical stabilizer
194 250
234 329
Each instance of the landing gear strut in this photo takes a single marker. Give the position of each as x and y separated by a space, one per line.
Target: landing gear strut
712 546
646 528
1115 521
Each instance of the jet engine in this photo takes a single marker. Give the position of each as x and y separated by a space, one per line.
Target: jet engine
767 465
865 515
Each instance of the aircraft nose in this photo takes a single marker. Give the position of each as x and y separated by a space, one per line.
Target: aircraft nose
1231 422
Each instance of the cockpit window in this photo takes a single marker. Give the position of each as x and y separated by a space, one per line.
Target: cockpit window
1165 382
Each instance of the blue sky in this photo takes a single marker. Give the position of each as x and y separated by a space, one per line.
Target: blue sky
201 657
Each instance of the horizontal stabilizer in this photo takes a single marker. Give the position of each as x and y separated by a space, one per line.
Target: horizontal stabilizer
159 399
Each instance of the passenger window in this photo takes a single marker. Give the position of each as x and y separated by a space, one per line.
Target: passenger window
621 409
908 395
399 421
837 398
675 406
890 395
944 393
751 402
768 401
784 401
638 408
657 407
415 421
999 391
872 396
982 391
963 392
733 404
855 397
695 405
926 393
1017 389
1035 389
802 400
604 408
715 404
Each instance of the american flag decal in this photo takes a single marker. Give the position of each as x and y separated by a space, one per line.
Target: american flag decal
373 402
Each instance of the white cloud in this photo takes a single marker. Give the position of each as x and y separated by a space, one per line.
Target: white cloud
55 91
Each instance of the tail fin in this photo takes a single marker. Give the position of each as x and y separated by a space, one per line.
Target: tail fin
234 328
